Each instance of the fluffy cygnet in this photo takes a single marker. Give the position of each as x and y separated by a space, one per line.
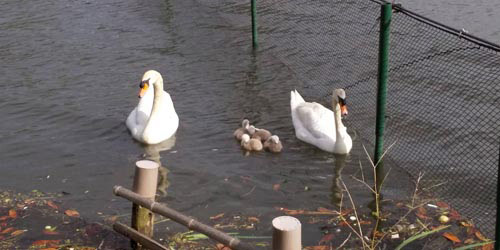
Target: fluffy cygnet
273 144
238 133
250 144
259 133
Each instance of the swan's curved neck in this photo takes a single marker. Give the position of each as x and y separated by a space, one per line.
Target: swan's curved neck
339 126
158 90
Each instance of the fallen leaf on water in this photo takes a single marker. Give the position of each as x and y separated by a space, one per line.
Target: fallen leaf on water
217 216
325 239
480 236
452 237
276 187
52 205
72 213
422 213
487 247
454 215
46 243
222 247
346 211
50 232
29 201
18 232
469 241
365 222
466 224
12 214
7 230
378 234
253 219
442 205
291 212
343 223
322 209
317 248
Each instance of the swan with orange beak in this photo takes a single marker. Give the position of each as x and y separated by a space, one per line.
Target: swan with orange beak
154 119
320 126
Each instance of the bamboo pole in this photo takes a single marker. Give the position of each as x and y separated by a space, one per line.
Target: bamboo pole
180 218
287 233
142 239
145 182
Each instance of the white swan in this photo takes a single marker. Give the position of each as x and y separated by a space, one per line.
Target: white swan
154 119
318 125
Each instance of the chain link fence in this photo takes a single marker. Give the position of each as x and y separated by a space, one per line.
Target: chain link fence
443 92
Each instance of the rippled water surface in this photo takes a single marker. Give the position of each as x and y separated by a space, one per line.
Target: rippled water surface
70 73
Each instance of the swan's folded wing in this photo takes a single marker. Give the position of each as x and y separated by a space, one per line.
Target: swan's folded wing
316 119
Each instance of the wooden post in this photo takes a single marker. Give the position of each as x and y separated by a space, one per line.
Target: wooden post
287 233
145 182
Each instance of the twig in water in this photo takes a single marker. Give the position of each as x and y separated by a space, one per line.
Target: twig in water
433 186
345 241
420 175
360 232
160 221
249 192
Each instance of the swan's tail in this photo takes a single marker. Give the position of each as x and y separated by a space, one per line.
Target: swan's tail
295 99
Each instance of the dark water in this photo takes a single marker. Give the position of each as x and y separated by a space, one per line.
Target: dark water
480 18
70 71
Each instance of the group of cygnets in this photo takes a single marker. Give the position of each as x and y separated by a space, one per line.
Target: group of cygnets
257 139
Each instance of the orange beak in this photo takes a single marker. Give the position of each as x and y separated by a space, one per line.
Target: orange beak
343 109
143 90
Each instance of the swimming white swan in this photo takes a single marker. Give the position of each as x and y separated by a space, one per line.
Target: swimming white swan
318 125
154 119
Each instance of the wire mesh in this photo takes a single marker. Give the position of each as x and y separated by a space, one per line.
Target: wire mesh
443 90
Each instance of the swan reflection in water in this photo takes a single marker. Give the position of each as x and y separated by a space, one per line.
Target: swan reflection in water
337 187
152 153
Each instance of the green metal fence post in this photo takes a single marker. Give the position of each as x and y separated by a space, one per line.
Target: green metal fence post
383 66
497 229
254 24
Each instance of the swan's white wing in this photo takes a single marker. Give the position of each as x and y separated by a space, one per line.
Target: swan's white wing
138 118
164 123
317 120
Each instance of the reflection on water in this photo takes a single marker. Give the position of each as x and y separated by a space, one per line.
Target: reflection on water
337 187
152 153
